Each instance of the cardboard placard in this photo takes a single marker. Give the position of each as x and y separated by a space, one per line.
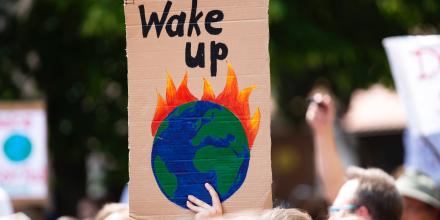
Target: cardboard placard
199 104
23 155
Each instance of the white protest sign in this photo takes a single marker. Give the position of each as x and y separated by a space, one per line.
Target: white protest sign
415 64
23 155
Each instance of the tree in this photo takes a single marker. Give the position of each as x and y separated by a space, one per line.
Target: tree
338 44
72 54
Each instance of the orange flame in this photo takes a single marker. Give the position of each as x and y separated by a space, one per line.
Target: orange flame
231 98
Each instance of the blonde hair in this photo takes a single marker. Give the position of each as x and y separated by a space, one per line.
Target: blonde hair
285 214
66 218
110 209
351 217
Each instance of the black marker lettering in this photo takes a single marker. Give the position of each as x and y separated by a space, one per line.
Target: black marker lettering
199 59
180 22
154 20
194 19
175 27
219 51
212 17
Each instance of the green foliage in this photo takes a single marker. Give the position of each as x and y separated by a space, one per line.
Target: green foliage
337 44
72 54
103 18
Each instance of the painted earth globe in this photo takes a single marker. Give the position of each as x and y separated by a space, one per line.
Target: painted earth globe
200 142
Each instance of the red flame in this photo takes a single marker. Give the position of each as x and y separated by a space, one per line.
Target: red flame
231 98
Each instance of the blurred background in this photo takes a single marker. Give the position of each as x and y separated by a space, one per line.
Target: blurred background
71 55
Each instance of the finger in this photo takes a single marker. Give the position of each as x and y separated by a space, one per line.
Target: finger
193 207
314 99
326 98
198 202
214 196
318 102
310 114
330 105
312 108
317 97
311 104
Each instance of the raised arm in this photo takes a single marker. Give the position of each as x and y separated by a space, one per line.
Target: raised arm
320 116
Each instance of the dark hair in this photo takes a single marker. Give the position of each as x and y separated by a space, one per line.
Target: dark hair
377 192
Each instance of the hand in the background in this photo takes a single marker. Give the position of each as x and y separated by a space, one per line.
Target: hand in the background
320 116
320 113
203 210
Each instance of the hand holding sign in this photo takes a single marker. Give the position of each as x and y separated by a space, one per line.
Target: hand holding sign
321 113
204 210
202 130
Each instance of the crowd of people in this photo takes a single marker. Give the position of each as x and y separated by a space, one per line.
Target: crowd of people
357 193
413 196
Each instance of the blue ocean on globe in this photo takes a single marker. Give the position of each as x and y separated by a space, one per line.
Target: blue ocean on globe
200 142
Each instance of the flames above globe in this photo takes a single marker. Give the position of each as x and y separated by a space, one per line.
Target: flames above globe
231 98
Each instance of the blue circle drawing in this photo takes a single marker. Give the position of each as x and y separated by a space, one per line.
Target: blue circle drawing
200 142
17 148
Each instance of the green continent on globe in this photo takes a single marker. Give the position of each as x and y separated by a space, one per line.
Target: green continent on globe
200 142
166 178
223 161
226 166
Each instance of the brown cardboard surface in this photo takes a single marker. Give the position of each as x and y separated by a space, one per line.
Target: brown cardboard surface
246 36
22 105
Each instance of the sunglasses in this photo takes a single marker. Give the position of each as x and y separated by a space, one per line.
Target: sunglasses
348 208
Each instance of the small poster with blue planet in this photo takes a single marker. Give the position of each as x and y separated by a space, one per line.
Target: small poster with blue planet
23 154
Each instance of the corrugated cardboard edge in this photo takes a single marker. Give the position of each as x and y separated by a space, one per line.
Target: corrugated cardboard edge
10 105
265 202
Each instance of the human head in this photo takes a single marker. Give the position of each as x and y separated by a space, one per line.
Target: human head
285 214
421 196
351 217
113 211
267 214
370 194
66 218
